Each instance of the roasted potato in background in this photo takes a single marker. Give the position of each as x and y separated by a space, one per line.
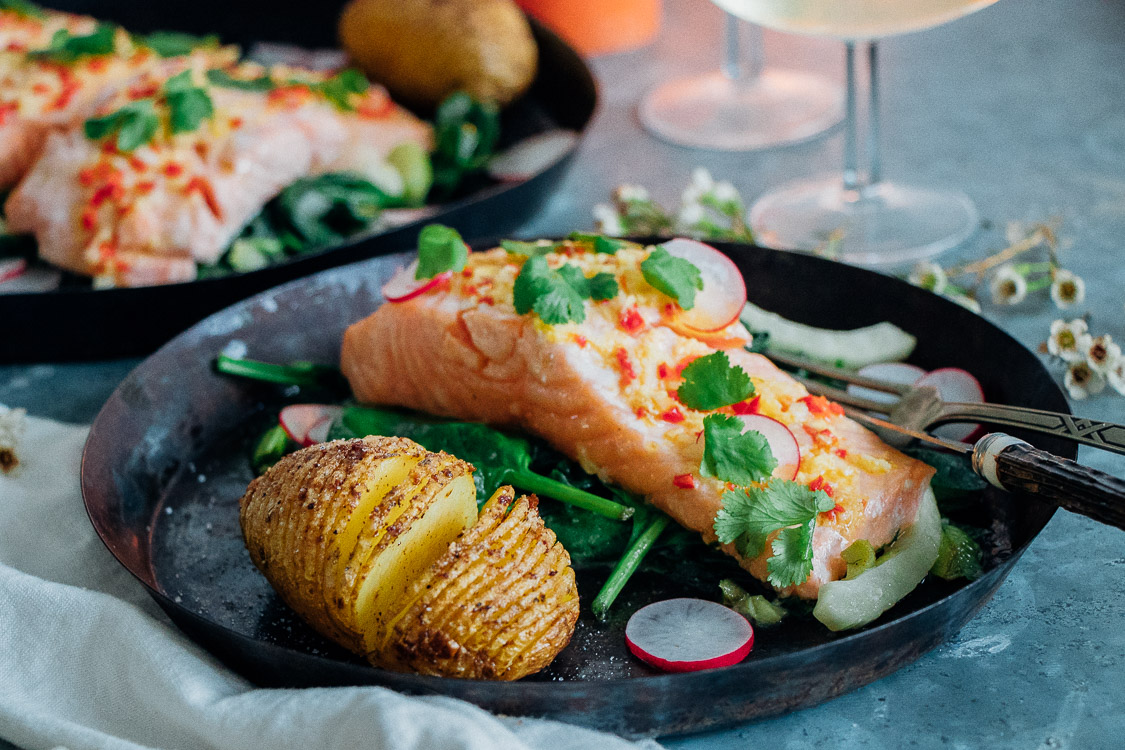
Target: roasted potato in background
500 604
373 542
424 50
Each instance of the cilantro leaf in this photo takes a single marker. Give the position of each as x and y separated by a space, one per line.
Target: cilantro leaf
560 304
792 559
557 295
730 455
217 77
23 8
676 277
339 88
748 518
134 125
440 249
711 382
527 249
188 104
600 242
175 43
600 286
66 47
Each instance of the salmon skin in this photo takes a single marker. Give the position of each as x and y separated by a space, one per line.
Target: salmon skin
603 391
150 215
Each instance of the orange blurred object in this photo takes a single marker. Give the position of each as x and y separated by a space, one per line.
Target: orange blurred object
596 27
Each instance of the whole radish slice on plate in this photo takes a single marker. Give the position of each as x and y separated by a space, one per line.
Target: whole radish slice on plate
12 269
686 635
955 384
308 424
783 444
403 286
720 301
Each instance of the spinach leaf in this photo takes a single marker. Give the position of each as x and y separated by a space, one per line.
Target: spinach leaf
466 132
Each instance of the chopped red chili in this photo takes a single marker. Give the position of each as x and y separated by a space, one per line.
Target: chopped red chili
684 481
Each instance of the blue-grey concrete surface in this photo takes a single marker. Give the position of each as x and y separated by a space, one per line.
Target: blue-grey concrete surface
1022 106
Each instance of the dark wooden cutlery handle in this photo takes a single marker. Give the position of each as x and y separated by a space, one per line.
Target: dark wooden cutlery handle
1016 466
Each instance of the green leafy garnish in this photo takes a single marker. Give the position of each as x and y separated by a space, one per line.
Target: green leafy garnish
712 382
325 209
339 88
217 77
747 518
959 556
527 249
730 455
466 132
270 448
175 43
66 47
599 242
440 249
557 296
23 8
134 125
676 277
188 105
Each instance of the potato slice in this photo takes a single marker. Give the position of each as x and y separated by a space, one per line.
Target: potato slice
500 604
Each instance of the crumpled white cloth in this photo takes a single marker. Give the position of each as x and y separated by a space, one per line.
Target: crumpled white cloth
87 660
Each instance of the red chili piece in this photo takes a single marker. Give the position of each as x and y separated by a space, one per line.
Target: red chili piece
628 374
746 407
820 484
631 320
684 481
673 415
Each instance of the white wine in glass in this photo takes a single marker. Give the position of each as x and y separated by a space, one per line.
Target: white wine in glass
869 221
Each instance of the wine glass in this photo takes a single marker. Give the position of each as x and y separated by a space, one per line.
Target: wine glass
863 218
742 107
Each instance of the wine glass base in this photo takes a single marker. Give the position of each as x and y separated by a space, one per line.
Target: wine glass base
881 225
713 111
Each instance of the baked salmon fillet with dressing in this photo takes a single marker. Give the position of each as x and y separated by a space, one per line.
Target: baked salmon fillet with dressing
604 392
149 213
56 84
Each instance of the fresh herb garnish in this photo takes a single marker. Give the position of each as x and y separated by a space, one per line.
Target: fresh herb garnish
328 208
959 555
466 132
748 517
217 77
274 444
557 296
134 125
712 382
66 47
188 105
676 277
175 43
600 242
730 455
440 249
527 249
23 8
339 88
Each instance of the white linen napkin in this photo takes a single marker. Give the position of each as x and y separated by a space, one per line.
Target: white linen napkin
87 659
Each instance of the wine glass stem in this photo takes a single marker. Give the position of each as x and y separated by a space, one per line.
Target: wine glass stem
735 66
854 180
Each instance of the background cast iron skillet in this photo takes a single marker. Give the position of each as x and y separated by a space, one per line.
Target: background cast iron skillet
77 322
167 461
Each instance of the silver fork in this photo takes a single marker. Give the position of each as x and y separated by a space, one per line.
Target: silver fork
921 407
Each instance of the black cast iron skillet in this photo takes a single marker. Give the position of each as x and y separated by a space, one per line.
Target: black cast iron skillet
76 322
167 461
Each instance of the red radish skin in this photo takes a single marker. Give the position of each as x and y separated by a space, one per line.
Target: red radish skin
720 301
303 422
687 635
955 384
12 269
403 286
783 444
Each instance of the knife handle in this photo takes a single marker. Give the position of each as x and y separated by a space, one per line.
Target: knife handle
1016 466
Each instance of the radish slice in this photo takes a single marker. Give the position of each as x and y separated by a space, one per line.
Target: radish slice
955 384
720 301
892 372
685 635
783 444
404 286
307 424
12 269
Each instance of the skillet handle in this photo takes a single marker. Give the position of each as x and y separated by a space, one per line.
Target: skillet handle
1016 466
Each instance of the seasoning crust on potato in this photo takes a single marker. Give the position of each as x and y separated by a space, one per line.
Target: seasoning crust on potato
376 543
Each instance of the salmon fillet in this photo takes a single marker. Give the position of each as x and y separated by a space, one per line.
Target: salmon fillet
150 215
603 392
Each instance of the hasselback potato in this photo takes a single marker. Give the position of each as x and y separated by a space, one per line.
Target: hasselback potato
375 542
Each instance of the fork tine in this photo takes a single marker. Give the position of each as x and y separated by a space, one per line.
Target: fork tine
828 371
835 394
